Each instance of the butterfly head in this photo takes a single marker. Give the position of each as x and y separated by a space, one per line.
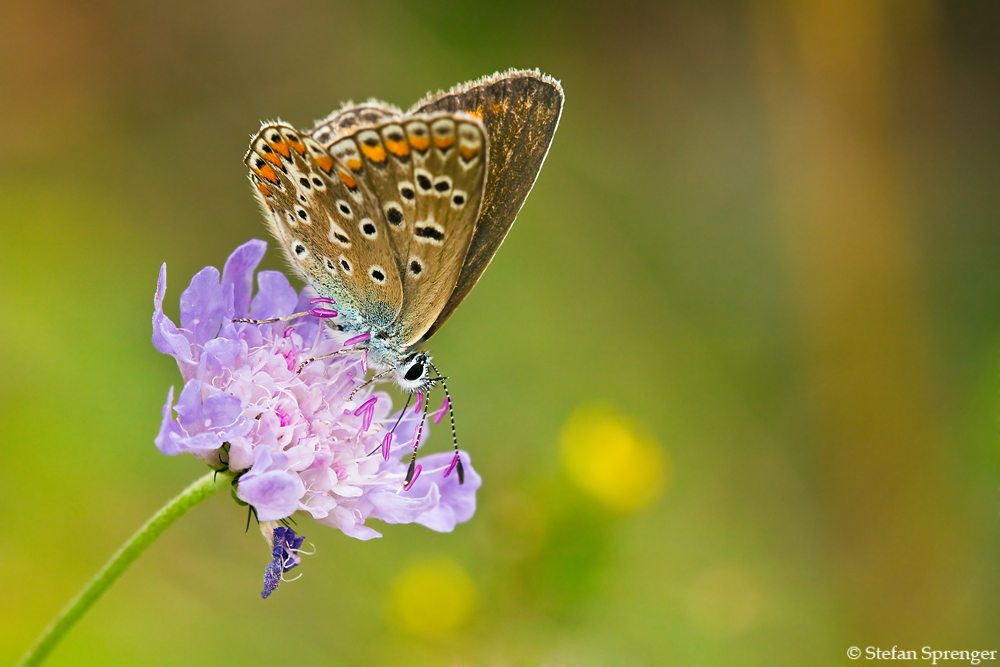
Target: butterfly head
413 373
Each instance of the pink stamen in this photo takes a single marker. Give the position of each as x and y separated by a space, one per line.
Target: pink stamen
341 473
322 312
368 408
288 332
420 402
416 473
386 445
320 299
451 466
440 413
357 339
285 418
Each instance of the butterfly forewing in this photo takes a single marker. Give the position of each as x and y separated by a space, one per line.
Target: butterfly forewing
328 222
520 111
427 173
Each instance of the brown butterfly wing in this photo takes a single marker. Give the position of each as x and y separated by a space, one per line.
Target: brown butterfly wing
520 110
427 173
327 221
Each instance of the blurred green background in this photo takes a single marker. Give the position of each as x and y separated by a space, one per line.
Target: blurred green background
765 248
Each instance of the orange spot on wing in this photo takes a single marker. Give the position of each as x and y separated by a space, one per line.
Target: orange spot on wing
444 142
324 162
347 179
373 153
420 143
467 152
273 159
478 113
398 148
299 148
264 190
281 147
354 164
268 173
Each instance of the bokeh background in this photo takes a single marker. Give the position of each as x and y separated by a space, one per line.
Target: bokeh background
732 383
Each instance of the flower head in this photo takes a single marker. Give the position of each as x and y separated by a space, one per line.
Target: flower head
294 440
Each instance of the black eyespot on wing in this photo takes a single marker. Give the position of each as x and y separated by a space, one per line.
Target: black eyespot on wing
259 163
299 248
442 186
329 264
371 142
423 182
344 208
265 148
378 275
368 228
305 183
415 267
347 267
302 214
458 199
394 215
340 237
275 138
318 183
429 233
407 193
414 372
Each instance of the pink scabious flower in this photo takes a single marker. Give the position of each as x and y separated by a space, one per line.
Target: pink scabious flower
295 441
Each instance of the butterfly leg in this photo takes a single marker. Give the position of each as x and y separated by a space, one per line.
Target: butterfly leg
373 378
322 356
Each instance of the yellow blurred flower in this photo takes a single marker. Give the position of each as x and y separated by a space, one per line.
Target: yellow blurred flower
606 456
433 597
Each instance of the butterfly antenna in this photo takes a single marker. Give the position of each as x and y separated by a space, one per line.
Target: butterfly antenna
413 471
398 419
454 434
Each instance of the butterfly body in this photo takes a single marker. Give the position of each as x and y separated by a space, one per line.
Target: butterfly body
394 216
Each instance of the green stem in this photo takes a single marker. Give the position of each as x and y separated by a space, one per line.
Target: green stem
95 588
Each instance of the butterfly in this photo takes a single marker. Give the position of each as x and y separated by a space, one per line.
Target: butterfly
394 216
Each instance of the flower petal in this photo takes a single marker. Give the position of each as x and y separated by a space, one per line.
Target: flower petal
238 274
201 306
275 296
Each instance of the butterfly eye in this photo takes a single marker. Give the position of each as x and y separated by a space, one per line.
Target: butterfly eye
414 372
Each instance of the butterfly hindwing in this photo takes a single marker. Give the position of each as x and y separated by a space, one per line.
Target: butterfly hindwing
520 111
328 222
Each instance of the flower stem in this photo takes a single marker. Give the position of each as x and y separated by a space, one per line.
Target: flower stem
95 588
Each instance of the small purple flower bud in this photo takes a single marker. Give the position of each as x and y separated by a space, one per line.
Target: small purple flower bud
284 557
